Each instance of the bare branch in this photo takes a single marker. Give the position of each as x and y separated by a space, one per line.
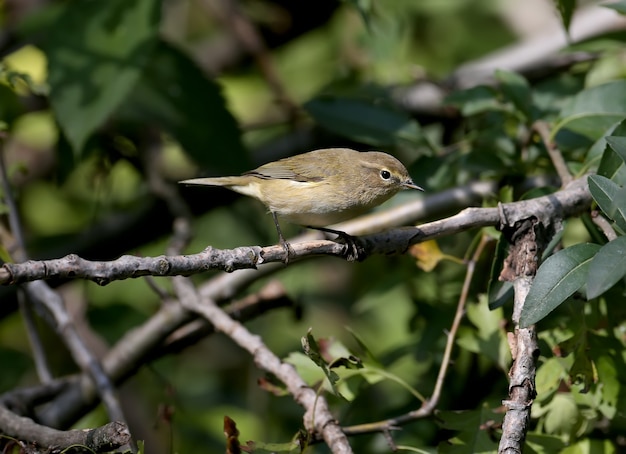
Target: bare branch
41 293
101 439
317 418
523 261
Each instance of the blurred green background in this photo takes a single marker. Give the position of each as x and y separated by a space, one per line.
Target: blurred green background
98 96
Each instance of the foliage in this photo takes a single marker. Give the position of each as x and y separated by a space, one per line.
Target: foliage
105 84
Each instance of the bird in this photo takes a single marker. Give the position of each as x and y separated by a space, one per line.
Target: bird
320 187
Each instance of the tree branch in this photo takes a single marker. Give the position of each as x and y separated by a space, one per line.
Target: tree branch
101 439
570 201
317 418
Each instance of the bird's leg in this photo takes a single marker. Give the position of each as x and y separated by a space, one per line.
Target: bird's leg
355 251
286 246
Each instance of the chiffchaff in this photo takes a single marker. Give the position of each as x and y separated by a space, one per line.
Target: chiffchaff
321 187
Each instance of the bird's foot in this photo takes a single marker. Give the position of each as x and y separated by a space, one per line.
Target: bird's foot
354 249
289 252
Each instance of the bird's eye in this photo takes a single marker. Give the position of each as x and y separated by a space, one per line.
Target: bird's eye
385 174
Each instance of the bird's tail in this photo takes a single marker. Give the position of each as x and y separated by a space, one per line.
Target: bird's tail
216 181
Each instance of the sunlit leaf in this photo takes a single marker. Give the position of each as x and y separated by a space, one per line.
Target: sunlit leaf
428 254
96 53
563 415
549 376
607 267
609 376
557 279
489 339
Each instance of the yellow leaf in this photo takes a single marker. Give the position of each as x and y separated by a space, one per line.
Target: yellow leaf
428 254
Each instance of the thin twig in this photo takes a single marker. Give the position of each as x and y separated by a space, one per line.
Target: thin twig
19 254
606 227
39 354
429 405
542 128
456 323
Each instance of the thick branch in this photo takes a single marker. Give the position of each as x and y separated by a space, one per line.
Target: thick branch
101 439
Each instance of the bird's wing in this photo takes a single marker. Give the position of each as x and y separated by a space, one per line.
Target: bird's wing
289 171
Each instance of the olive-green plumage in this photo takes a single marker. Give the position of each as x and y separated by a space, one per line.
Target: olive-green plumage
321 187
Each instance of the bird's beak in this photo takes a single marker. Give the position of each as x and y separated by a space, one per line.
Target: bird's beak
410 185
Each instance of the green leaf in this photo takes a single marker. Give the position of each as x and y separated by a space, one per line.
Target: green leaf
472 436
258 447
488 339
540 443
618 144
620 6
517 90
96 52
549 377
600 145
174 94
607 267
474 100
365 120
557 279
594 110
10 107
312 349
582 372
566 9
364 8
610 164
610 198
609 376
563 415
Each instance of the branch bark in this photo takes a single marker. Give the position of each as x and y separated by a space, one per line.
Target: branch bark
101 439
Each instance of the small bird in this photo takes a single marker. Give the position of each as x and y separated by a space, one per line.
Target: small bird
321 187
